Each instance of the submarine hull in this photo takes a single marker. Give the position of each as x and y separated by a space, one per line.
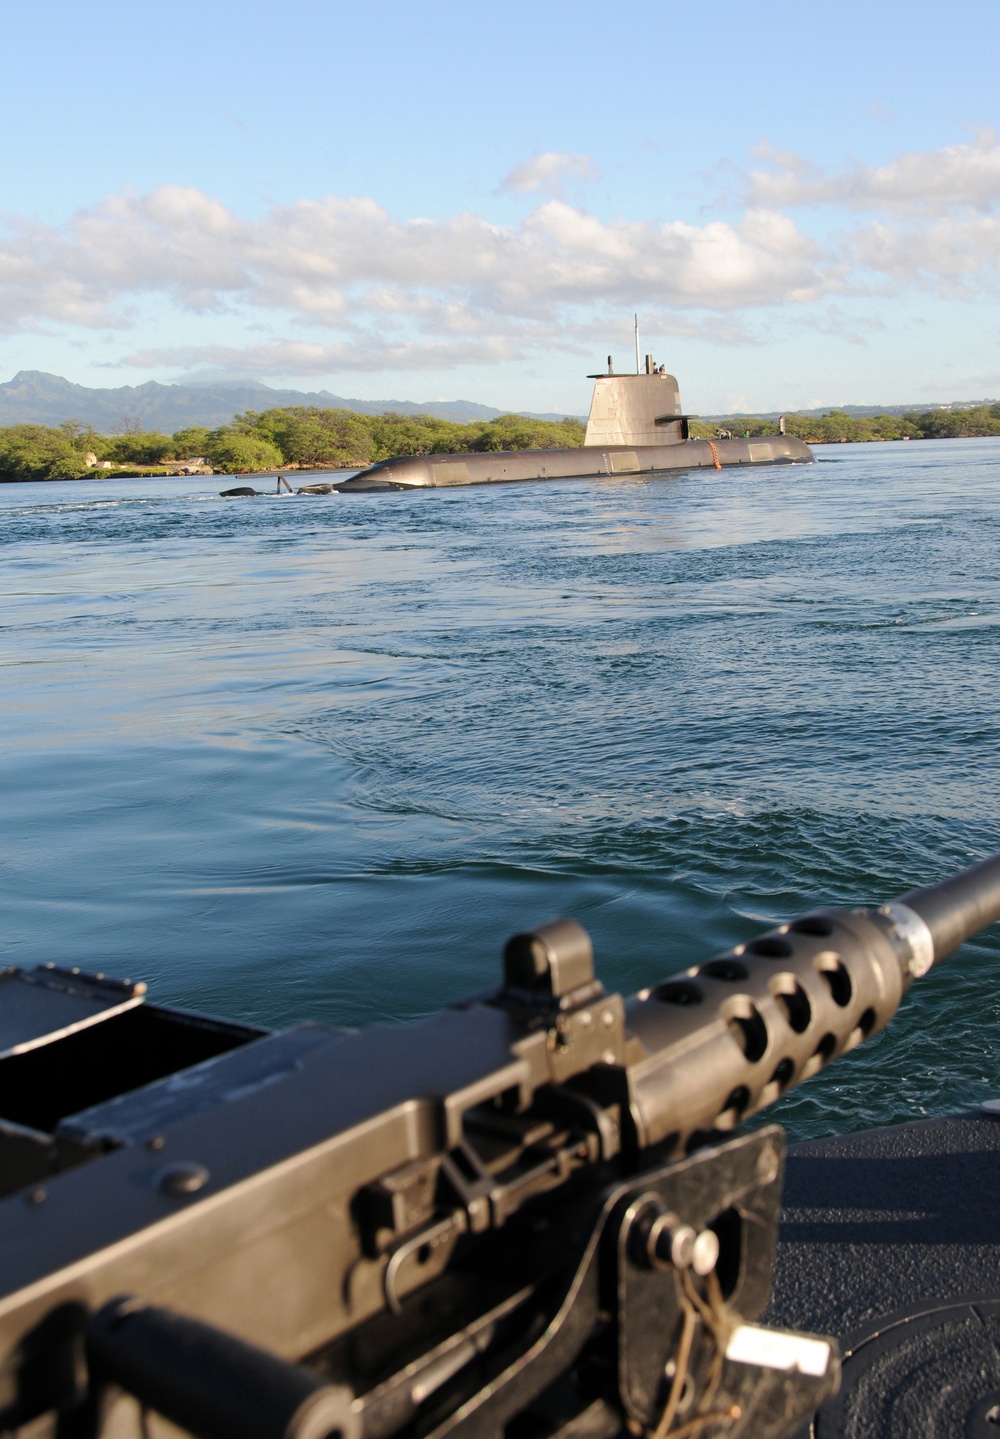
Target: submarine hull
434 472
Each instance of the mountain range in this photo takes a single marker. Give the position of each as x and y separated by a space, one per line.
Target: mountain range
34 398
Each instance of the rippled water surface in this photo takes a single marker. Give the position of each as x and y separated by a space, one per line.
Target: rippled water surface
318 757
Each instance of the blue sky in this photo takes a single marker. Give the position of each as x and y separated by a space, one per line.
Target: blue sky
470 201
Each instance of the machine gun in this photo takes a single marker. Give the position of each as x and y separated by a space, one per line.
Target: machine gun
530 1215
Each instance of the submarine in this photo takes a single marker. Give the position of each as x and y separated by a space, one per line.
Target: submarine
636 426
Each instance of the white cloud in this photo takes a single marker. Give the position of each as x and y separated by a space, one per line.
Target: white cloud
338 264
441 343
957 176
298 357
343 284
957 256
547 171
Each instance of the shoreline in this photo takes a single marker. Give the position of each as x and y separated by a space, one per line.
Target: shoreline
276 471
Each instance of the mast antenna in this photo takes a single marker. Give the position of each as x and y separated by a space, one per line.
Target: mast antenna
637 344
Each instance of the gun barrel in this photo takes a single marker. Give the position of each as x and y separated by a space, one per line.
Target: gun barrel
728 1037
959 907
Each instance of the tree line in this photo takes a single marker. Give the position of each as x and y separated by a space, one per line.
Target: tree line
838 426
309 437
302 436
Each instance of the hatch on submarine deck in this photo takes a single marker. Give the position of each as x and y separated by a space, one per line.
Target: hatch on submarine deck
635 426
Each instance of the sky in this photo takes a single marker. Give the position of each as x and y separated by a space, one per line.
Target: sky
471 201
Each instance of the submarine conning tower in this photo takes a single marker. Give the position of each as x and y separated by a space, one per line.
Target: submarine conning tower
636 409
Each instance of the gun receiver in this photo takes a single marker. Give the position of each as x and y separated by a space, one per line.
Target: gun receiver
528 1214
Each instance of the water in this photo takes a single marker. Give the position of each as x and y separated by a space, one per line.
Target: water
317 758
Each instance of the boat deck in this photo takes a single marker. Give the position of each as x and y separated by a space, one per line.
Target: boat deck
890 1241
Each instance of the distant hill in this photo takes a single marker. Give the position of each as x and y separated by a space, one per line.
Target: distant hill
35 398
861 412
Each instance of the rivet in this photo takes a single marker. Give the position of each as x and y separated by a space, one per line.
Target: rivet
767 1165
187 1177
37 1196
155 1141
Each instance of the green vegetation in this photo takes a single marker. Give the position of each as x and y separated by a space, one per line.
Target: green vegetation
301 436
838 426
242 452
310 437
137 449
33 452
191 441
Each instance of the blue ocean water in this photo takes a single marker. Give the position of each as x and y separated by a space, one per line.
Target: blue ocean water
319 757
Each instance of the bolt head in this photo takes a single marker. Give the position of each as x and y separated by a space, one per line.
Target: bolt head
186 1177
705 1252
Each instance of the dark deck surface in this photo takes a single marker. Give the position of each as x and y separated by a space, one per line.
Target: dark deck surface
890 1241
